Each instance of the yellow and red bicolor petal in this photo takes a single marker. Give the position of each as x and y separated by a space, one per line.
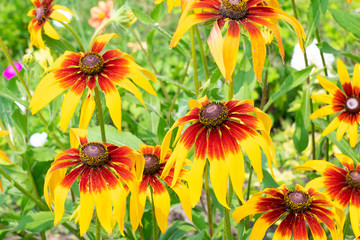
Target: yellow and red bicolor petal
86 201
36 3
216 46
354 211
322 167
346 161
248 208
218 169
50 31
344 77
195 178
187 22
323 98
181 150
198 103
234 161
87 111
137 75
70 102
327 85
66 64
101 41
285 228
184 195
78 136
324 111
273 28
264 222
161 203
113 101
258 49
317 183
315 228
300 232
274 13
61 191
231 48
143 192
146 149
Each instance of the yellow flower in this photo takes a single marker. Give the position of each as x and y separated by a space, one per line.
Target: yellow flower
346 102
41 14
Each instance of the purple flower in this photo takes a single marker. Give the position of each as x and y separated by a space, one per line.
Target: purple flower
10 72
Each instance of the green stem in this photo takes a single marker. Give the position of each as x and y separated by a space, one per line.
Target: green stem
27 90
227 224
98 229
327 145
231 89
178 91
308 83
202 53
150 62
249 184
154 229
346 225
68 27
208 200
141 232
193 53
264 91
100 114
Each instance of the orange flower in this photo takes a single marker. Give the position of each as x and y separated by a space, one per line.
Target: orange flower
101 14
44 10
238 14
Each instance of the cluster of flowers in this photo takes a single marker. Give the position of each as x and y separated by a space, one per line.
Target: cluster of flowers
219 132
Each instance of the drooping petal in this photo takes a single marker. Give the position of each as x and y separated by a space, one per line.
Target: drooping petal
113 101
86 201
56 15
324 111
285 228
263 223
216 46
87 111
354 211
258 49
300 232
162 204
231 48
59 7
315 228
50 31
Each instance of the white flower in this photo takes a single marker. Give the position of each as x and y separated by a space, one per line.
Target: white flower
38 139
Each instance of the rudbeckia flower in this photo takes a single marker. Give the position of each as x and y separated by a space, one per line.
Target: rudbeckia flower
101 13
41 14
220 131
103 169
78 70
346 102
294 208
237 13
341 185
2 154
151 179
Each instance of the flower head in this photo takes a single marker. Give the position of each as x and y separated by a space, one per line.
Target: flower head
2 154
103 169
294 208
80 70
151 179
101 14
248 14
43 11
346 102
220 130
341 184
9 72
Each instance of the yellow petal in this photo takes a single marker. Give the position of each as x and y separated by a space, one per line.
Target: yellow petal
86 211
324 111
113 103
343 73
77 136
184 195
50 31
195 180
129 86
59 7
60 197
235 164
59 17
139 79
317 165
316 183
356 77
329 86
231 48
341 130
219 180
87 111
354 218
253 151
331 127
103 205
323 98
162 208
216 45
353 132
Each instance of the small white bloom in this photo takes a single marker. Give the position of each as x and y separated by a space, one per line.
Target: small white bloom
38 139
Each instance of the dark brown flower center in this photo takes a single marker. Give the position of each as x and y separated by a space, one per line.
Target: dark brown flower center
94 154
40 14
352 105
353 179
297 201
91 63
234 9
213 114
152 164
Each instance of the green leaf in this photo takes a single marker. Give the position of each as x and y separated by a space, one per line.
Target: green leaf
302 119
43 154
177 230
6 93
343 144
149 41
115 137
350 22
158 13
20 121
316 10
181 47
36 222
268 180
292 81
327 48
